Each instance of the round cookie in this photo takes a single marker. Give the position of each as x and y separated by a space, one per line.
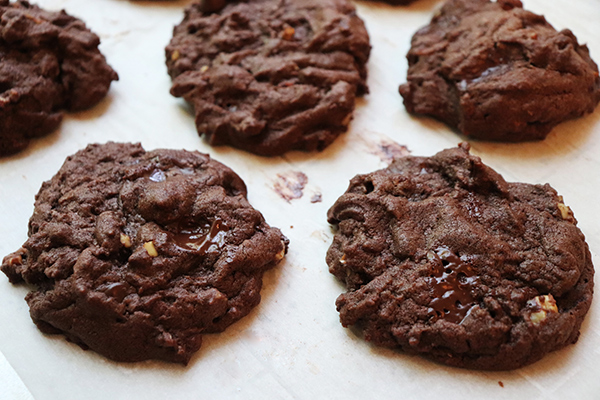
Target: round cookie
269 76
49 61
445 259
137 254
497 72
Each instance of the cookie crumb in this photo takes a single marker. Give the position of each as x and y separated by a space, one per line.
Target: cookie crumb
501 383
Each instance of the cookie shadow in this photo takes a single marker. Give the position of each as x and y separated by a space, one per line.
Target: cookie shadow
35 145
93 112
548 369
567 137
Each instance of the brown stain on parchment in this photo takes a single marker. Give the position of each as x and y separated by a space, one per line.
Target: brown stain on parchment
290 185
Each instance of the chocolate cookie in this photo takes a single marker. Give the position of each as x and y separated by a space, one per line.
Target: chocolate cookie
49 62
269 76
444 258
137 254
497 72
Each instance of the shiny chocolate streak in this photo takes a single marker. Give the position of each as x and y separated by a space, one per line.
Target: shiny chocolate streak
452 284
118 290
203 242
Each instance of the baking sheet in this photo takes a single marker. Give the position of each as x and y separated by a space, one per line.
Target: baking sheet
292 346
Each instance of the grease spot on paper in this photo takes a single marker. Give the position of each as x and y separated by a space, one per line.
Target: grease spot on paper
290 185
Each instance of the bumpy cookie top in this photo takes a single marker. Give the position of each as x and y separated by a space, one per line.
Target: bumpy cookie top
137 254
49 61
498 72
270 76
444 258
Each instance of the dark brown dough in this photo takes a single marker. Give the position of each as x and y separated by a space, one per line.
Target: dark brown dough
137 254
444 258
497 72
269 76
49 62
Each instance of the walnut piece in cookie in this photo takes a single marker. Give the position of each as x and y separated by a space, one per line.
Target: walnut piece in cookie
49 62
269 76
138 254
444 258
495 71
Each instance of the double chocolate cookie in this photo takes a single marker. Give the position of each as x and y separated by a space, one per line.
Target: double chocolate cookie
49 62
269 76
444 258
497 72
137 254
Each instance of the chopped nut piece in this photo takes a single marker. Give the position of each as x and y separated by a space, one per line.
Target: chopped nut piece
125 240
149 246
288 33
175 55
538 317
34 19
279 256
542 306
343 259
565 211
547 303
15 259
204 68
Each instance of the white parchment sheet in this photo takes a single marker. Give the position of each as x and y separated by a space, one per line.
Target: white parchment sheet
292 346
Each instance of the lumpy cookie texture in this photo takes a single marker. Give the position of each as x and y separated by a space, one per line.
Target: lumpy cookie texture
137 254
498 72
49 62
269 76
444 258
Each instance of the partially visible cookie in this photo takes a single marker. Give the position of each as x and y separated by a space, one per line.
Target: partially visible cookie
269 76
497 72
137 254
444 258
49 62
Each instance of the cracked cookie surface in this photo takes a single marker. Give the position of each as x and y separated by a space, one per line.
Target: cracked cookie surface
269 76
137 254
444 258
495 71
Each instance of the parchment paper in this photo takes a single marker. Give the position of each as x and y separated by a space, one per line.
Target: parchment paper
292 346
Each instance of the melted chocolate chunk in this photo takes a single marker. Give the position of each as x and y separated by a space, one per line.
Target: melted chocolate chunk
452 285
118 290
207 242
